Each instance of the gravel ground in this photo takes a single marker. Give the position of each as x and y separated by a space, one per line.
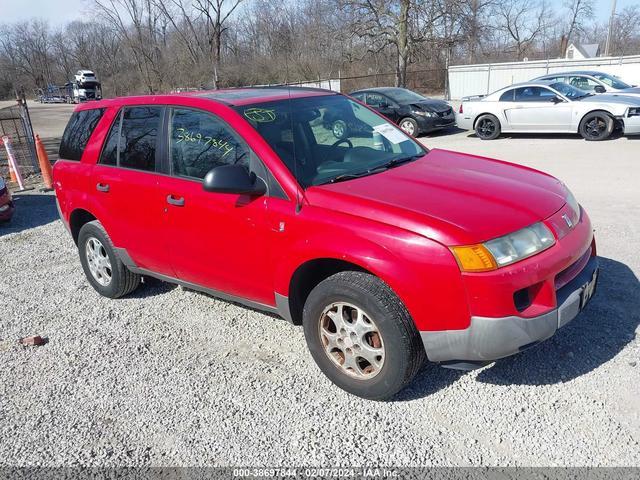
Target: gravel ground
171 377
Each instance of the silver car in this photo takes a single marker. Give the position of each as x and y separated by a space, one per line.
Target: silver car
592 82
549 107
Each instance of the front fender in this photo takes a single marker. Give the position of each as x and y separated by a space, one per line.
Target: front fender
422 272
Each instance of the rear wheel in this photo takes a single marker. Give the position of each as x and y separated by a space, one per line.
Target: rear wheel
361 335
104 270
488 127
596 126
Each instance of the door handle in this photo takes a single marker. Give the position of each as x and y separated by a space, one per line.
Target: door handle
178 202
102 187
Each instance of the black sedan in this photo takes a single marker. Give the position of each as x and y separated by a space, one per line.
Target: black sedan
412 112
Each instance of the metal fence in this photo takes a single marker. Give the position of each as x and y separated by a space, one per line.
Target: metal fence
466 80
15 124
427 81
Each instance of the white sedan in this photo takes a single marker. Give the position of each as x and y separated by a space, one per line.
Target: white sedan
549 107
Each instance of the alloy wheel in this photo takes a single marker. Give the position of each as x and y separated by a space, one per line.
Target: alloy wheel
486 127
595 127
98 261
408 127
351 340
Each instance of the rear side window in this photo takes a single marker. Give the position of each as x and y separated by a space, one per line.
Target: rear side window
132 140
77 133
507 96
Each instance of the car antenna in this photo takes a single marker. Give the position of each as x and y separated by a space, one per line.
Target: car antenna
293 138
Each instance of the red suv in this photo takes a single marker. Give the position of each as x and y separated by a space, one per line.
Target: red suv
384 251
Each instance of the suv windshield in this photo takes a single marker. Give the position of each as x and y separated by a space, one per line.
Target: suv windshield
324 139
611 81
569 91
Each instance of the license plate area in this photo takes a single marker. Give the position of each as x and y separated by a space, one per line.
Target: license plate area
588 289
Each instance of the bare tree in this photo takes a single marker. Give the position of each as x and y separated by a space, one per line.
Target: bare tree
579 12
522 21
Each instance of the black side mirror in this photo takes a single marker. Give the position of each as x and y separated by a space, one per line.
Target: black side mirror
556 99
233 179
599 89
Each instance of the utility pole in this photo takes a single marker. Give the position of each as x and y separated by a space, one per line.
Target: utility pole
611 21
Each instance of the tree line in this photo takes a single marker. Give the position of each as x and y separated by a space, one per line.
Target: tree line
149 46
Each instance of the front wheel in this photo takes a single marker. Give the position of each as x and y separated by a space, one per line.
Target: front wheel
596 126
409 126
488 127
339 129
361 335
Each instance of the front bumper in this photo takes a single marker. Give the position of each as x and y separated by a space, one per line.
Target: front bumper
430 124
488 339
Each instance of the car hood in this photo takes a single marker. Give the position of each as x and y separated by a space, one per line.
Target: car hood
450 197
630 91
615 98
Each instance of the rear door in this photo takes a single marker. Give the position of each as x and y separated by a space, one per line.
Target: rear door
216 240
125 182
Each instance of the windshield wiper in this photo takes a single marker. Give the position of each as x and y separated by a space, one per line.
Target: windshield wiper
371 171
397 161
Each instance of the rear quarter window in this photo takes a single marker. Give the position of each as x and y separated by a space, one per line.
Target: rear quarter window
77 133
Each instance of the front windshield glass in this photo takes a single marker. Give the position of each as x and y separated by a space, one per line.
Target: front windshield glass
569 91
403 96
611 81
329 138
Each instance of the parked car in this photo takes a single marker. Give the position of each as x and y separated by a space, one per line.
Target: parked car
414 113
7 207
549 107
384 251
592 82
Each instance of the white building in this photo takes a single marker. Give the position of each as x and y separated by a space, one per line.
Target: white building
576 51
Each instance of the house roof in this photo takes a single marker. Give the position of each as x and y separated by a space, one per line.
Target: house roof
588 50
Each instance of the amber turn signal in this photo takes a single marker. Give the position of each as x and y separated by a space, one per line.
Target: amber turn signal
474 258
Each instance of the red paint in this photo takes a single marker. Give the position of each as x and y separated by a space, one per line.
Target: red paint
397 224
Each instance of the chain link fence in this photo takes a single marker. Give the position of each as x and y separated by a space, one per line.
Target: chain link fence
15 124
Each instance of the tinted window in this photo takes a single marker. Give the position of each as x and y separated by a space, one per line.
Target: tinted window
109 155
358 96
533 94
199 141
77 133
138 135
507 96
377 100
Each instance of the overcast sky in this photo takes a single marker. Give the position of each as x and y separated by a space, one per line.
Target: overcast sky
59 12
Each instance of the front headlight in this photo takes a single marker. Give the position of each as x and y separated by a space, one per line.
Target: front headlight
633 112
503 251
425 113
574 206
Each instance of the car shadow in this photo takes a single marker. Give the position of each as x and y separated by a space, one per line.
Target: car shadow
442 133
41 211
593 338
549 136
596 336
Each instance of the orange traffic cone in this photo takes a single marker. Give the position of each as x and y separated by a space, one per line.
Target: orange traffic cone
12 174
45 166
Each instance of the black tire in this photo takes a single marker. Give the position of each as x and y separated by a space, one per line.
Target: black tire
340 129
403 349
122 281
596 126
488 127
409 126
